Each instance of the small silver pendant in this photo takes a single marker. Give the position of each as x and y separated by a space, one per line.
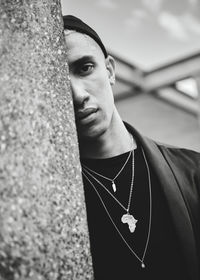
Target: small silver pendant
114 186
130 220
142 265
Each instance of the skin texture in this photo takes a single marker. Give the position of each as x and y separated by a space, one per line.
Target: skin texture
101 131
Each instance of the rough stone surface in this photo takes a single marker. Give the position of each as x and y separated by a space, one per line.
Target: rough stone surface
43 229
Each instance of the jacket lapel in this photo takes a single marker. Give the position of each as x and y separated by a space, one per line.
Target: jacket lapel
175 201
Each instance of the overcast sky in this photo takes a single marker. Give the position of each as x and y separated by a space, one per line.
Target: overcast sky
147 33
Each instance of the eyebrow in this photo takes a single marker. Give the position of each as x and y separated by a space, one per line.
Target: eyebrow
81 61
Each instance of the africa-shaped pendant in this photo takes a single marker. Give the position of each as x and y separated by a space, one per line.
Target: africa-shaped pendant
130 220
114 186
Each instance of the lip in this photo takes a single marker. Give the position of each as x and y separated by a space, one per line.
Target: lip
83 114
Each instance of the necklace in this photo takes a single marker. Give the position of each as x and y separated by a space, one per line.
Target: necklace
141 260
126 218
118 173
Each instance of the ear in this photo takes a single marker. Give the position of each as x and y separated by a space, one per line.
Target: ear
110 66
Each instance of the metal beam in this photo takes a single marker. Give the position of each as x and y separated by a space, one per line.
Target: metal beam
159 77
171 73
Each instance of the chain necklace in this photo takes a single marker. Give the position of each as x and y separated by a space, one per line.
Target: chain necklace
118 173
126 218
132 225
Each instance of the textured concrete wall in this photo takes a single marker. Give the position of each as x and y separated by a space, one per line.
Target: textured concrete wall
43 229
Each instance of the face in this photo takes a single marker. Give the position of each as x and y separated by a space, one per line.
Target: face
91 77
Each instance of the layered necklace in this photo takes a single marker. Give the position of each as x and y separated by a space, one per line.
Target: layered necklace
112 180
127 217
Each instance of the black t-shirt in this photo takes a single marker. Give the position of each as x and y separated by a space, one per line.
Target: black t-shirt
112 259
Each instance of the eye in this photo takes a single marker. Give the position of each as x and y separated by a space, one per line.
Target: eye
86 68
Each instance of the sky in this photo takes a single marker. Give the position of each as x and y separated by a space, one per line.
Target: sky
145 33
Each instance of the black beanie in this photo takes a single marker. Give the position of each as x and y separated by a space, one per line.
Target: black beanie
74 23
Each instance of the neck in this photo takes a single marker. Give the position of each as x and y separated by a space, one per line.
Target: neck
113 142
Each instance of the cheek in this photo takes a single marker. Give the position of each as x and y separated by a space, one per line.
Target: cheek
98 86
102 85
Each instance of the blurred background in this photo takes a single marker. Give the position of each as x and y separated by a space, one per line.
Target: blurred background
156 45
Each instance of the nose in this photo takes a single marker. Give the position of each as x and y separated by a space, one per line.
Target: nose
79 94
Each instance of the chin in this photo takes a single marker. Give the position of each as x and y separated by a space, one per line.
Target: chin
92 133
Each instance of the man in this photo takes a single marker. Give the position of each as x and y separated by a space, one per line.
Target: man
142 198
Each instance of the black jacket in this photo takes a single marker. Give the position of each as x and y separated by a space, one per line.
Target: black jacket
178 171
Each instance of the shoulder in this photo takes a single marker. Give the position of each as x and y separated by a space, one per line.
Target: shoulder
184 163
180 155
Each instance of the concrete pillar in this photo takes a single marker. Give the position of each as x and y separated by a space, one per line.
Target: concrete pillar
43 229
